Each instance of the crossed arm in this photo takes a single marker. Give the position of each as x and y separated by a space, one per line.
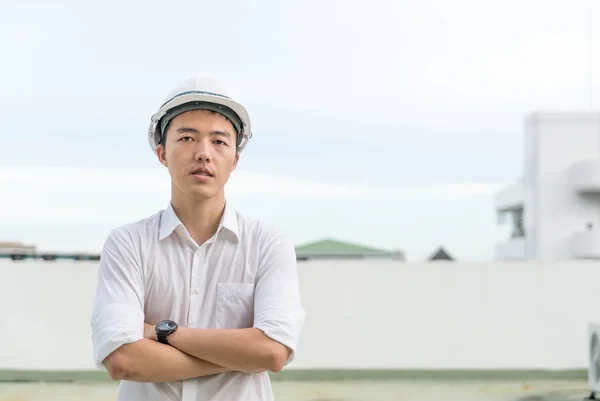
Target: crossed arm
149 361
133 353
189 352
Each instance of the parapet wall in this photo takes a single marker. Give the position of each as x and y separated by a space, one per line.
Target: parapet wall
360 315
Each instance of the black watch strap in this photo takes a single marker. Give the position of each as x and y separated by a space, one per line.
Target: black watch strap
162 339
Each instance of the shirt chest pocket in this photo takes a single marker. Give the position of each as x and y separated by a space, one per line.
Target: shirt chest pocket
235 305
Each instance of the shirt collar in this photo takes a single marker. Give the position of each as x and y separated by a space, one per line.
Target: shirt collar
169 222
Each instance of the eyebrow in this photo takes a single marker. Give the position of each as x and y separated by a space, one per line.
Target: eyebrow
191 130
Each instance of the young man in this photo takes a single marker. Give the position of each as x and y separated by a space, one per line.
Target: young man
197 302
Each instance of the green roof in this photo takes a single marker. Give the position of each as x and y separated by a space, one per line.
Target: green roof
331 247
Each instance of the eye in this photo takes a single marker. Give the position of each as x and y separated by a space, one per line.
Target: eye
185 138
220 142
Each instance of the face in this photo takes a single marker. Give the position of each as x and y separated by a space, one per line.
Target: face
200 153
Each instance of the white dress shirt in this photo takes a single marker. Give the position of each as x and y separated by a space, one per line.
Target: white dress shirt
244 276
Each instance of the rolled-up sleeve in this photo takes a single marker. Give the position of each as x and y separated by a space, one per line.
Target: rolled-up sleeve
118 314
278 310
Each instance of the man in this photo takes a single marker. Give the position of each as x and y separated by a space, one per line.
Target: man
197 302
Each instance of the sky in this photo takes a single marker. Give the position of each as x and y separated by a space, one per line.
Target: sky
385 123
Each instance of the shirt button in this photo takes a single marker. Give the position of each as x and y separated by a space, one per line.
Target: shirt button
195 291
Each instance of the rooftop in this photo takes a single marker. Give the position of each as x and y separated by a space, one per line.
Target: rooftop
333 248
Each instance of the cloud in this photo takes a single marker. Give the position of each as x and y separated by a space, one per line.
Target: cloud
463 189
60 194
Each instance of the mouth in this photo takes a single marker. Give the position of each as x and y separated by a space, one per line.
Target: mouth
202 172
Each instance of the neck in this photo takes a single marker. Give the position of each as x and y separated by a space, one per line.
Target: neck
200 217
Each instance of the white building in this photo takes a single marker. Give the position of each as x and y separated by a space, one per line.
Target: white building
555 207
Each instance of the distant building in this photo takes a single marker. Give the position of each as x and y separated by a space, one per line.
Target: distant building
440 254
16 250
19 251
335 249
554 209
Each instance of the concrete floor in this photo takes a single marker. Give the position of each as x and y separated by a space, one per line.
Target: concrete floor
336 391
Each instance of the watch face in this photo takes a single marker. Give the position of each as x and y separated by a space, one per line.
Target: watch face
166 325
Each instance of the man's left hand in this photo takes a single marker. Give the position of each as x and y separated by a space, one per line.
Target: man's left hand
150 332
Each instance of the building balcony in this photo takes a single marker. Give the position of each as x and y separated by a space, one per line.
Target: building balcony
512 249
584 177
586 244
510 198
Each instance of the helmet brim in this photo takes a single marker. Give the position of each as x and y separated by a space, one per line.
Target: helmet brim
199 96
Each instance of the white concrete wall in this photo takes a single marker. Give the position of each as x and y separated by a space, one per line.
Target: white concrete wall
511 249
530 181
557 141
379 314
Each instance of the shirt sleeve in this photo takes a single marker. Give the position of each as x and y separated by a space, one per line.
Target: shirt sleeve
278 310
118 314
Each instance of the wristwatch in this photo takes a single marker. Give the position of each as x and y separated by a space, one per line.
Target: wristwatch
163 329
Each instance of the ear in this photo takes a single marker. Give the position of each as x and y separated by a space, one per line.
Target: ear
161 155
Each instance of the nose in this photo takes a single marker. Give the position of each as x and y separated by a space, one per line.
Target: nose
203 153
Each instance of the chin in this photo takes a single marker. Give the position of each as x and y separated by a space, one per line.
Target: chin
197 191
203 193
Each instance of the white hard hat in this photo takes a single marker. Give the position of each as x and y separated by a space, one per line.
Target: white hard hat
201 93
